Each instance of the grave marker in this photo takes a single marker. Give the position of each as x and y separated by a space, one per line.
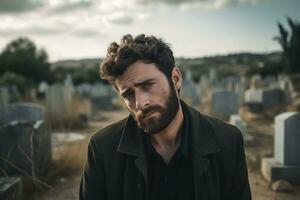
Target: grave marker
286 161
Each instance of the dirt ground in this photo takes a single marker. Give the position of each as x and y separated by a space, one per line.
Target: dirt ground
263 131
66 188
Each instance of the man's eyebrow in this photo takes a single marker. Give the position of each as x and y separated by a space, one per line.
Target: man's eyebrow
144 82
125 91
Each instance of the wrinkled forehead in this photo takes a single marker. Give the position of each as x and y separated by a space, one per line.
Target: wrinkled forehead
137 73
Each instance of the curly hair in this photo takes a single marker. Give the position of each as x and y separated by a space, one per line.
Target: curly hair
146 48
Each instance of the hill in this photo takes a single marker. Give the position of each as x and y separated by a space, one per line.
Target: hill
231 64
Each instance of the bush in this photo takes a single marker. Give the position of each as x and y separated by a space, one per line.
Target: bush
9 79
270 68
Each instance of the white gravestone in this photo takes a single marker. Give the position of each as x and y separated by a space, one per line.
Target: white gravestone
237 121
59 100
286 162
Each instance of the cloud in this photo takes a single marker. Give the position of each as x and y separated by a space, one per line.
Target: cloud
33 30
45 30
69 6
119 18
106 6
198 4
17 6
86 32
50 6
79 25
52 17
15 26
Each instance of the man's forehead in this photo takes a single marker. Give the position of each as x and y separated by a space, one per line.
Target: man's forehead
124 83
137 73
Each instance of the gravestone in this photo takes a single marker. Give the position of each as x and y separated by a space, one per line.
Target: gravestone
237 121
288 87
9 94
101 96
204 81
14 93
68 80
253 96
287 138
11 188
190 92
273 97
286 84
235 84
25 148
253 100
29 112
205 89
59 101
84 89
4 96
212 75
224 103
240 90
256 82
42 88
271 82
231 83
286 162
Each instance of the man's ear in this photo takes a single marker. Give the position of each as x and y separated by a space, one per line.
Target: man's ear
176 78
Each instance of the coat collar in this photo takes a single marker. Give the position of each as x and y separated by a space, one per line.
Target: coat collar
202 138
132 139
201 133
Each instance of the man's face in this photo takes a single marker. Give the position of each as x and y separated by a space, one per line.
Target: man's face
149 96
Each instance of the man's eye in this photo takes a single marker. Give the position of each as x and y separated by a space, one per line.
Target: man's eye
128 95
147 85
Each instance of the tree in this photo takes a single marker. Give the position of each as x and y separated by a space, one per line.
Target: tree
290 43
23 58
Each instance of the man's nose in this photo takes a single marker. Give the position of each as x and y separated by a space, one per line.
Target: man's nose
141 101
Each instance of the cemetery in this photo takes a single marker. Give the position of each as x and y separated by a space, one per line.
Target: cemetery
51 106
53 131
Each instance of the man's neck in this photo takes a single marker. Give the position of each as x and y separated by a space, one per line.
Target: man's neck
167 141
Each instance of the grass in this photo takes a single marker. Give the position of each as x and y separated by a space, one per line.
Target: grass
70 118
68 160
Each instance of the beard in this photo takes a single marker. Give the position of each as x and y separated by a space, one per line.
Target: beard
167 112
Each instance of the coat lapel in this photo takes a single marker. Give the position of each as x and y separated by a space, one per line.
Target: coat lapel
203 143
202 139
132 143
200 165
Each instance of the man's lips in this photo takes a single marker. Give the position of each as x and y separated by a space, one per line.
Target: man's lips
141 115
148 114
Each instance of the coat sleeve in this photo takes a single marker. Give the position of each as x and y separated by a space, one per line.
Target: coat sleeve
92 184
240 185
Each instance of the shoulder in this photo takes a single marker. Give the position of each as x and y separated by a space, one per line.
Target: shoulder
108 137
222 128
225 134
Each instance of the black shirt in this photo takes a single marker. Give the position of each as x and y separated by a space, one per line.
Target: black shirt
174 180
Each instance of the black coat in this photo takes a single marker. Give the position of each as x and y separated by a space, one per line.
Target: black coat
116 166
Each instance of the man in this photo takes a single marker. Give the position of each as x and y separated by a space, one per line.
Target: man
164 149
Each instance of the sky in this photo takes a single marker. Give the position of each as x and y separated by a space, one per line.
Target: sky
76 29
